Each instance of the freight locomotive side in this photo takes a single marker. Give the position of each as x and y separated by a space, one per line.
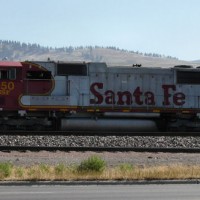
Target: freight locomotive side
92 96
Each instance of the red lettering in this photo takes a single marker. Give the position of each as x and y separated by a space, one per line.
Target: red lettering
179 98
98 97
149 100
121 96
110 97
127 98
166 88
137 94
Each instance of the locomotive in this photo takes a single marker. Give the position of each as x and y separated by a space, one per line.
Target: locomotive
49 95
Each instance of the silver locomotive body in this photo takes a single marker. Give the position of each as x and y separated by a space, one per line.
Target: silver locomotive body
93 96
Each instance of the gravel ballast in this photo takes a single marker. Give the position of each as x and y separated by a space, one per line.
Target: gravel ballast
99 141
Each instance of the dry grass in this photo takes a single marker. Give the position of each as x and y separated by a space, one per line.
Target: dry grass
123 172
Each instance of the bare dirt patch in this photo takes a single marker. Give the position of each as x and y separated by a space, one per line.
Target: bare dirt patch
111 158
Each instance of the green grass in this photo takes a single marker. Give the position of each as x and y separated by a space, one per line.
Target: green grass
95 168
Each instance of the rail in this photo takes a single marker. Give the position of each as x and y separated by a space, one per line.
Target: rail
100 133
98 149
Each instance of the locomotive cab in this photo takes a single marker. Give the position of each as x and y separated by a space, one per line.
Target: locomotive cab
10 85
10 89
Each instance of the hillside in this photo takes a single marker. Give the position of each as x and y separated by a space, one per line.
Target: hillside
11 50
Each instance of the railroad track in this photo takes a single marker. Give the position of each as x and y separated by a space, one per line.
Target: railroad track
100 133
188 142
98 149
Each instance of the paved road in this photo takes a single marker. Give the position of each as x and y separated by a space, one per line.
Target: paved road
99 192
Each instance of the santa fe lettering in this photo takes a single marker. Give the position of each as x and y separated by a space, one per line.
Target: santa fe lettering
137 96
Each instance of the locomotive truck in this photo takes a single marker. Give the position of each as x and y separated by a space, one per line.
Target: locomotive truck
49 95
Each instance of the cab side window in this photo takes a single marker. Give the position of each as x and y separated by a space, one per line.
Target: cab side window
12 74
8 74
3 74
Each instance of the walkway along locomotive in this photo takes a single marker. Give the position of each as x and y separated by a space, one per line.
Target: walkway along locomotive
52 95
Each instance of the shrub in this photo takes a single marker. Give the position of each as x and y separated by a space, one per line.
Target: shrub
126 167
60 169
44 168
92 164
19 172
32 172
5 170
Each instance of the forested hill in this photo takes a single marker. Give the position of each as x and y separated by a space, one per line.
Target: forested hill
13 50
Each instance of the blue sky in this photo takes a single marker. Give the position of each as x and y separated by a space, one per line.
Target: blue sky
169 27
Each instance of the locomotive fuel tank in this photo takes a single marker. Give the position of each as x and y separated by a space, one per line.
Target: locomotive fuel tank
88 124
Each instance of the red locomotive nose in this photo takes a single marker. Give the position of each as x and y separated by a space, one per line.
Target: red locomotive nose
18 79
36 80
